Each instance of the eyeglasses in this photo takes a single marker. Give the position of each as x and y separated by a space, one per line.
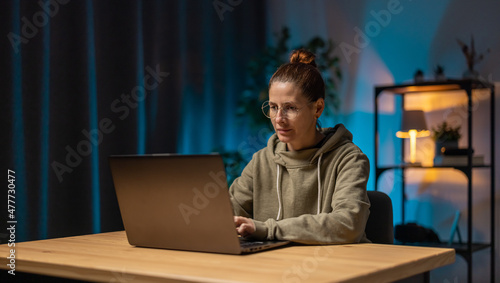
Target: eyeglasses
288 110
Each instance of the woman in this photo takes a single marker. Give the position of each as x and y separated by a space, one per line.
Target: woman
309 184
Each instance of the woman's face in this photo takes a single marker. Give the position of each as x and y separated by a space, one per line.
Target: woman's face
297 132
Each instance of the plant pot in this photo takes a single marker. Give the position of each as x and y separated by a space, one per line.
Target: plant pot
445 144
440 77
470 74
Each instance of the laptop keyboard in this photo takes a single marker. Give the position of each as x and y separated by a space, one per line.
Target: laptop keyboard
248 244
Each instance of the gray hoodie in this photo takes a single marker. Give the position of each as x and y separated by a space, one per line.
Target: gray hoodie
312 196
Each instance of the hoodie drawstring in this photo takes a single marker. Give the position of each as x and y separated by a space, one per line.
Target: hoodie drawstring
319 183
278 179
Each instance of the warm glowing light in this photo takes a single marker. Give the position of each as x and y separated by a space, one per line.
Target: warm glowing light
406 135
413 126
413 135
413 145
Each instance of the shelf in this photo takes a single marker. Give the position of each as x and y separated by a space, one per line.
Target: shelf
458 87
463 168
436 86
430 167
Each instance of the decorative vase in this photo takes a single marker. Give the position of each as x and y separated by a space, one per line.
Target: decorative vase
418 78
440 77
470 74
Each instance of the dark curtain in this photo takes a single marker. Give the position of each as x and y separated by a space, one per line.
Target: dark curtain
82 80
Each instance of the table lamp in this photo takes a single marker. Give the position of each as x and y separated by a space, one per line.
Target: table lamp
413 127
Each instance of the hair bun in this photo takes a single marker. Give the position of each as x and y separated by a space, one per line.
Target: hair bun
303 56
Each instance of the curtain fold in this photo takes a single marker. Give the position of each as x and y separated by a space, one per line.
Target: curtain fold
45 134
83 80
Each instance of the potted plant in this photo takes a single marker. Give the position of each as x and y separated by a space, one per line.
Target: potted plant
418 77
471 57
439 73
445 136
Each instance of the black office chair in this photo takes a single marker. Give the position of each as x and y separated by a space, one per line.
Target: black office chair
379 228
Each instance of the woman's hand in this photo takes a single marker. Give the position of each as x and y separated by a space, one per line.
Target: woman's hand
244 226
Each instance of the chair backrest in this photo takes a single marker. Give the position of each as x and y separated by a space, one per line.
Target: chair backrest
379 228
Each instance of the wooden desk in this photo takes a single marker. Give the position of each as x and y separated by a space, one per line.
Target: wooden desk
108 257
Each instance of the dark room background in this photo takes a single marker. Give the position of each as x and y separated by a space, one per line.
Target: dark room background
82 80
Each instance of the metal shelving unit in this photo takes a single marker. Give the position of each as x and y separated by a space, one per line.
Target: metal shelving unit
467 249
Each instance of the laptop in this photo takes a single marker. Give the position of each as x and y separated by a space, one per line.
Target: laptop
179 202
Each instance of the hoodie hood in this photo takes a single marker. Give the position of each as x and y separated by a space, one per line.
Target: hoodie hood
305 159
334 137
